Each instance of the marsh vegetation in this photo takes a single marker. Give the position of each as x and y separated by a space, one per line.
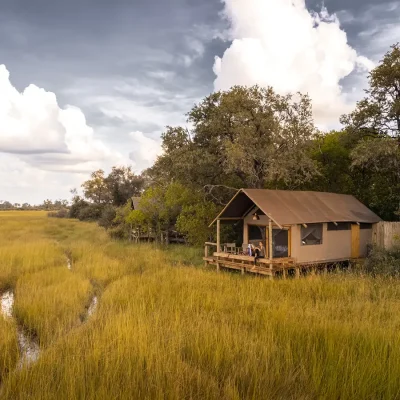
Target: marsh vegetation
163 329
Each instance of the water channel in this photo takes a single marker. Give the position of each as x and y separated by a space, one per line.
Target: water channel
28 347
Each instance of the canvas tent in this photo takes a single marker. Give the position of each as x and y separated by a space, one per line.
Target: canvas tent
305 226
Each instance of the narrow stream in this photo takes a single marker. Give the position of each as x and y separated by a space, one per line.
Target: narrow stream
93 306
94 302
28 348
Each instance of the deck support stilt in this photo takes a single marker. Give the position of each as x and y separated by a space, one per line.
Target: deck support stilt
313 271
297 269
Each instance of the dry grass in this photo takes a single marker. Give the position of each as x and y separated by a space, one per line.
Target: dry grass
8 347
51 302
178 332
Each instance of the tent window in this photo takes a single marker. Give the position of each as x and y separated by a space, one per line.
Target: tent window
341 226
311 235
256 233
365 226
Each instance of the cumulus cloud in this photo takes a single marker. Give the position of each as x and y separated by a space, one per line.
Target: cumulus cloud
145 150
282 44
34 127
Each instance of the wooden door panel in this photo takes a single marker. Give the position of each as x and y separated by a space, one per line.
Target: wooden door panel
355 241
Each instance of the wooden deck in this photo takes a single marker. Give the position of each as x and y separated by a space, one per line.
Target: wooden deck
277 267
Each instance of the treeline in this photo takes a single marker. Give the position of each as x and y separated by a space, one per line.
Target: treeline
47 205
255 138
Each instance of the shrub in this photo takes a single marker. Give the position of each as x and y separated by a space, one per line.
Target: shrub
107 217
383 262
91 212
76 207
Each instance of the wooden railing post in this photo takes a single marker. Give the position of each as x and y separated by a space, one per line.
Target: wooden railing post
218 235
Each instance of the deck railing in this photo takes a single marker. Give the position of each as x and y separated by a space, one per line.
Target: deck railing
230 248
207 246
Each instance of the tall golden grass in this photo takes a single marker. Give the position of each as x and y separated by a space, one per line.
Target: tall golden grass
8 347
165 330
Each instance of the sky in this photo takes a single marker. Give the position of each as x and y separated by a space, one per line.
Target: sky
88 84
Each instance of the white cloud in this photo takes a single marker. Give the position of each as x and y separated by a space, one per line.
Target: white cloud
34 127
145 150
281 44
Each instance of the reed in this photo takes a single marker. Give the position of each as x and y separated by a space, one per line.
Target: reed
8 347
51 302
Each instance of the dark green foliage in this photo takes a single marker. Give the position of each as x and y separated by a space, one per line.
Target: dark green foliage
107 217
77 205
91 212
374 128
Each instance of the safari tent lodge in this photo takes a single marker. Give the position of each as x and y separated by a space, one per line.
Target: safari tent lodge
299 230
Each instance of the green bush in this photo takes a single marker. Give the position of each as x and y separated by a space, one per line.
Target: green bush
76 207
91 212
107 217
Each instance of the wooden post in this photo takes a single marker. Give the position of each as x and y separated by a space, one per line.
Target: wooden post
297 272
270 240
270 249
218 235
205 254
284 272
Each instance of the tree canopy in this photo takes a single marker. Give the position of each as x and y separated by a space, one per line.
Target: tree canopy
249 137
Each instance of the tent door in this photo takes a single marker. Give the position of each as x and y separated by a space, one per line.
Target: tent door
355 241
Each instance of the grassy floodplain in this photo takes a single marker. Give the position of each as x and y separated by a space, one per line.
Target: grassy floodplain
167 330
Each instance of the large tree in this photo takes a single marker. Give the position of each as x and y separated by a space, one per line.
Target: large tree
375 127
115 189
244 137
258 135
96 189
378 114
123 183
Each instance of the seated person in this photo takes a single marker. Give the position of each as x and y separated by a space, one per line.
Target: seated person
259 251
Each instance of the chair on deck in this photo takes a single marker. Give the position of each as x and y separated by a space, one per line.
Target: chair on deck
230 248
